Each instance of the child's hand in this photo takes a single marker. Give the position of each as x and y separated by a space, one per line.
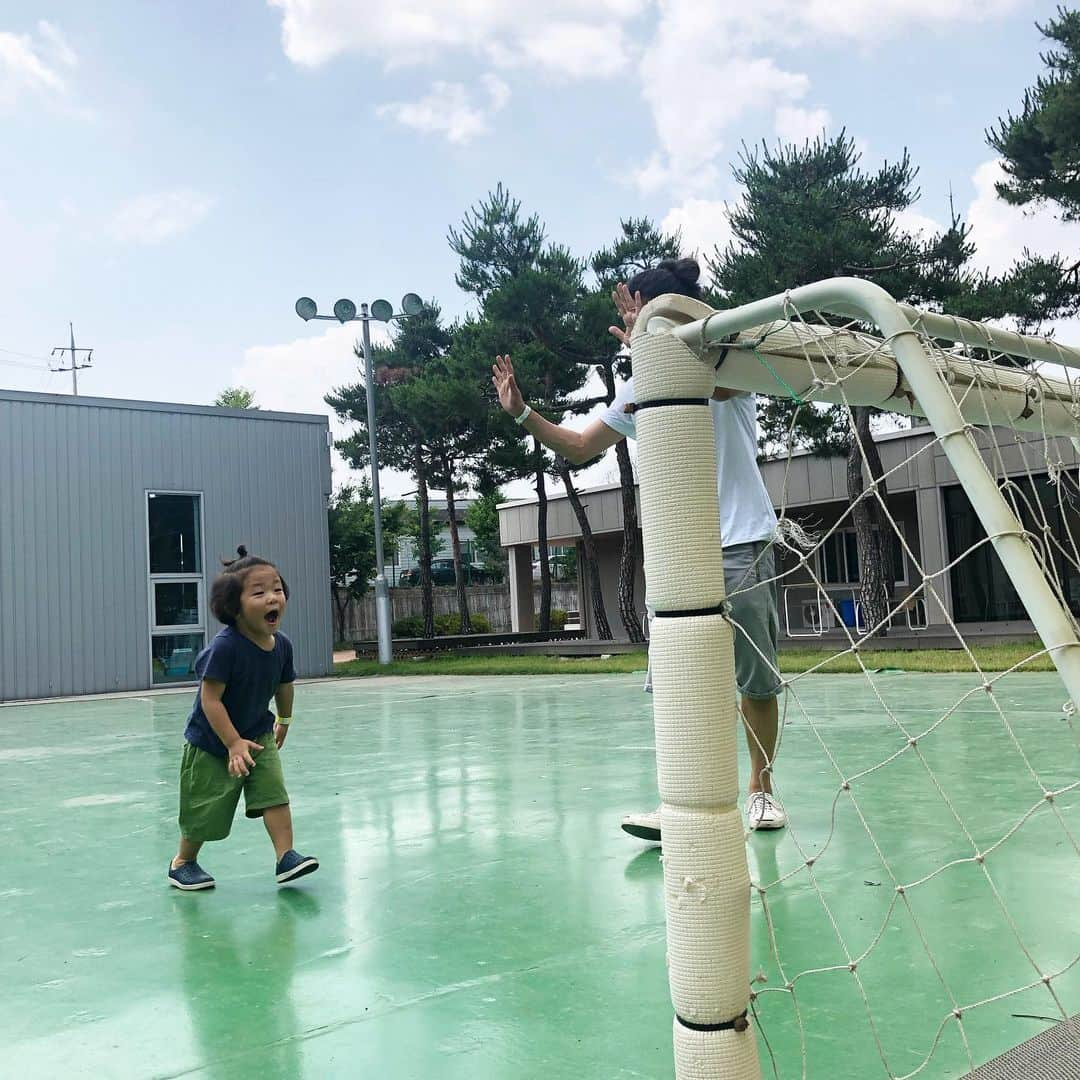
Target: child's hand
240 760
280 731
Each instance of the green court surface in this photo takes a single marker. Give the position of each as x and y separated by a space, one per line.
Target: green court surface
480 915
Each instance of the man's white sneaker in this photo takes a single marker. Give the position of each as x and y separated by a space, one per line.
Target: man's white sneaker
764 812
644 826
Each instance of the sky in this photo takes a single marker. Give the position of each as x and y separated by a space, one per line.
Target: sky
174 177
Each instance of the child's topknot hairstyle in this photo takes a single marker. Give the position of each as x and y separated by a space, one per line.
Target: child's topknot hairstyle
229 585
678 276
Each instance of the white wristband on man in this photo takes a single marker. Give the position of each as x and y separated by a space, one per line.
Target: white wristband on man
525 414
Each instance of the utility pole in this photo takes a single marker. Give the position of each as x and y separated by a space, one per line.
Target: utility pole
76 367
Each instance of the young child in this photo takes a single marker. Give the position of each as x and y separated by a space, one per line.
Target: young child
232 738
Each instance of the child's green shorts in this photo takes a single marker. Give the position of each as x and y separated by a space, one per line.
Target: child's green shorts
209 795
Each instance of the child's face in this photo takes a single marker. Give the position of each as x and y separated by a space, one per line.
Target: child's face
262 603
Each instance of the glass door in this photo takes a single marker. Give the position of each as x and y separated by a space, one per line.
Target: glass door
176 584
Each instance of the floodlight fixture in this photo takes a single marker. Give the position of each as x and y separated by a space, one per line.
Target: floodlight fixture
382 310
306 308
411 304
345 310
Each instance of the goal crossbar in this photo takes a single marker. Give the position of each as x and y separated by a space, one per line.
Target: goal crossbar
838 365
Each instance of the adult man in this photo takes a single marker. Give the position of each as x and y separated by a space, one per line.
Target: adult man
747 525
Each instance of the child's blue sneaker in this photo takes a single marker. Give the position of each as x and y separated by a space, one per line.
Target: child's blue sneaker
190 876
293 865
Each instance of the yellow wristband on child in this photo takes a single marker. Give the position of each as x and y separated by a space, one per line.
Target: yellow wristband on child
284 721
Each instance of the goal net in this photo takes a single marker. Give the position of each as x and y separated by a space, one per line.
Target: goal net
927 901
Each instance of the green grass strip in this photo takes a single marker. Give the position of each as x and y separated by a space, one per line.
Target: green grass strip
990 658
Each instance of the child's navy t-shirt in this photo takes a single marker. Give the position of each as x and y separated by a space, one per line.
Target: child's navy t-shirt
251 676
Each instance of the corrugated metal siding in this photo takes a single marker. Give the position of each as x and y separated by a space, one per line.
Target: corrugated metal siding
74 613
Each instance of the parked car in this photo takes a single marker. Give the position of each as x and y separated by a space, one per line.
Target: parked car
563 567
442 573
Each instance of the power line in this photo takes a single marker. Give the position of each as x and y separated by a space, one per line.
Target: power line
76 367
19 364
26 356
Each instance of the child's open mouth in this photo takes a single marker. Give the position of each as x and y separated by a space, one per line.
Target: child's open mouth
272 617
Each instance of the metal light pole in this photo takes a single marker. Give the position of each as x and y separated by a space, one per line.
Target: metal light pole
382 311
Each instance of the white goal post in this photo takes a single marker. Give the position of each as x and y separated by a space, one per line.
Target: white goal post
681 350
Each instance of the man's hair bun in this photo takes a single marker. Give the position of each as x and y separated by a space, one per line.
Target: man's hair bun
686 270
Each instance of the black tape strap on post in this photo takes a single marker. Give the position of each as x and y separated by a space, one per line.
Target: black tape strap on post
704 344
690 613
740 1023
725 347
658 403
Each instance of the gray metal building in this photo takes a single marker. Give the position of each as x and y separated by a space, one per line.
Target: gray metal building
114 516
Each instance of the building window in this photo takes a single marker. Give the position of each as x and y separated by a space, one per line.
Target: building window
838 559
175 533
174 657
176 584
562 561
176 603
981 589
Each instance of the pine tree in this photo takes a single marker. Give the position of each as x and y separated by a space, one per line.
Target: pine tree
1040 147
530 293
448 401
811 212
402 444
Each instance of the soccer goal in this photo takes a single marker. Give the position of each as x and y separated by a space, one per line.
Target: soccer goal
1002 412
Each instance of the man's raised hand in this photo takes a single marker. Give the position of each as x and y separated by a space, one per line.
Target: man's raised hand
502 376
628 308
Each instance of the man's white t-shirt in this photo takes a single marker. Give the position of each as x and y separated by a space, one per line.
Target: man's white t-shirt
746 512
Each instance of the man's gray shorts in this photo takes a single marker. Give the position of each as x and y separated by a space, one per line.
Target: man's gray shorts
748 573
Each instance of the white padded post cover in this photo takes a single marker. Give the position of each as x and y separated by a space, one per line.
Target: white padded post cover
680 512
707 890
693 701
715 1055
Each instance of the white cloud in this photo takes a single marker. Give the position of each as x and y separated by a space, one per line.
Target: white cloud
578 49
912 221
449 110
29 65
150 219
702 65
797 125
661 173
562 36
870 20
294 376
816 23
1001 231
708 64
696 94
57 44
498 91
704 226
